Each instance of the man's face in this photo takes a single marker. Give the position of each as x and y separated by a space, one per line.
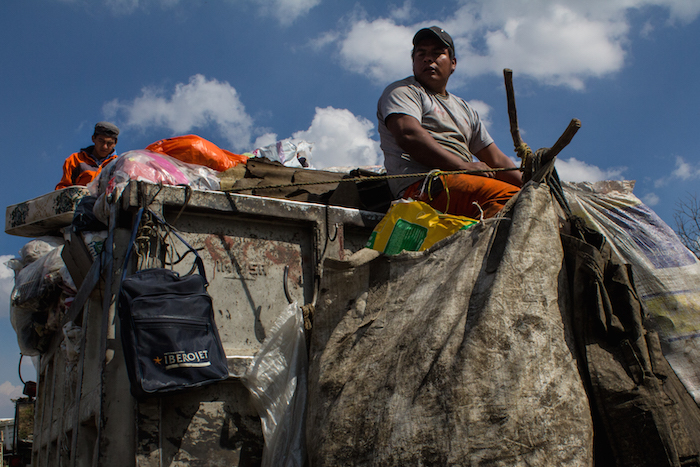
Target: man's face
104 145
432 65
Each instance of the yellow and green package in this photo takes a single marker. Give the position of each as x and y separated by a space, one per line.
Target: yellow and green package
414 226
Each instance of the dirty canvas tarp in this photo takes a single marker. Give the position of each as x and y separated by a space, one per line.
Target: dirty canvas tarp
642 414
454 356
666 273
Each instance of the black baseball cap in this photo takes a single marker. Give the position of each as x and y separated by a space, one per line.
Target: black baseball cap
437 32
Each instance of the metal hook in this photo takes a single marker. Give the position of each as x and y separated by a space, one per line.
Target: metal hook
286 289
19 368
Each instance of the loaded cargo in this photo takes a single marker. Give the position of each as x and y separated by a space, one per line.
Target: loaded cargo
564 331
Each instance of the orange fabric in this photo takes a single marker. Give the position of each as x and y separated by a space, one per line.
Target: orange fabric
197 150
80 168
462 190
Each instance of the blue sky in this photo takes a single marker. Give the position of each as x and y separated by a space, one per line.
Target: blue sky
245 73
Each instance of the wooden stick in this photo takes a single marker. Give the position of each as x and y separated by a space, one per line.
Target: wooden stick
563 140
561 143
512 111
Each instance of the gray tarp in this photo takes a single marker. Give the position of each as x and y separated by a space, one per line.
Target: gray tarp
458 355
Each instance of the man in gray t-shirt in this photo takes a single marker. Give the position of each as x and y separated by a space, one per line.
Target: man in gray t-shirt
423 127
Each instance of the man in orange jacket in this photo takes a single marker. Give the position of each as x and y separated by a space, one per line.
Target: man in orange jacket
82 167
423 127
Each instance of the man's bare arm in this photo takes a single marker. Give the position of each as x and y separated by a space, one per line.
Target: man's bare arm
417 142
495 158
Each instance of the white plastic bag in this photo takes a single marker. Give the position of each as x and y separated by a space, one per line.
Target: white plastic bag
291 153
42 292
32 251
37 279
277 380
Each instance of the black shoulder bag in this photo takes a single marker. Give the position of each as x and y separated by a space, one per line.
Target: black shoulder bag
168 331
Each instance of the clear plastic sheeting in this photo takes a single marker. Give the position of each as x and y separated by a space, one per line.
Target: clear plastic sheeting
148 166
42 292
277 380
33 250
153 167
34 282
666 273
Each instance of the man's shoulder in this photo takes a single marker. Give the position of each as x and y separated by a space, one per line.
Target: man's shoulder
408 83
84 155
405 92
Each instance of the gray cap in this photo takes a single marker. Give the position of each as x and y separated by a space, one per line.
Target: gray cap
107 129
435 32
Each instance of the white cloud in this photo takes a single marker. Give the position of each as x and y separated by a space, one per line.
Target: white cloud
647 29
403 12
574 170
557 46
197 104
683 171
286 11
340 139
359 50
265 140
8 391
681 11
558 42
686 171
323 40
125 7
651 199
663 181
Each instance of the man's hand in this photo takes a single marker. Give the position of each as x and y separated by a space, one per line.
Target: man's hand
479 166
494 157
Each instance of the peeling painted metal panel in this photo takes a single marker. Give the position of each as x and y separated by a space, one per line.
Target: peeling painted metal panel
212 426
258 253
249 265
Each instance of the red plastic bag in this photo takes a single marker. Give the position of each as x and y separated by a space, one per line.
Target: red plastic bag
194 149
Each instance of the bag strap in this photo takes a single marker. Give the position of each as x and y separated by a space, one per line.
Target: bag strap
137 222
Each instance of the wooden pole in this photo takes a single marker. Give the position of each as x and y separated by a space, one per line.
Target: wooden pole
512 111
563 140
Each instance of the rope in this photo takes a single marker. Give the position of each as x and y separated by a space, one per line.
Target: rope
427 186
524 151
436 173
526 155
